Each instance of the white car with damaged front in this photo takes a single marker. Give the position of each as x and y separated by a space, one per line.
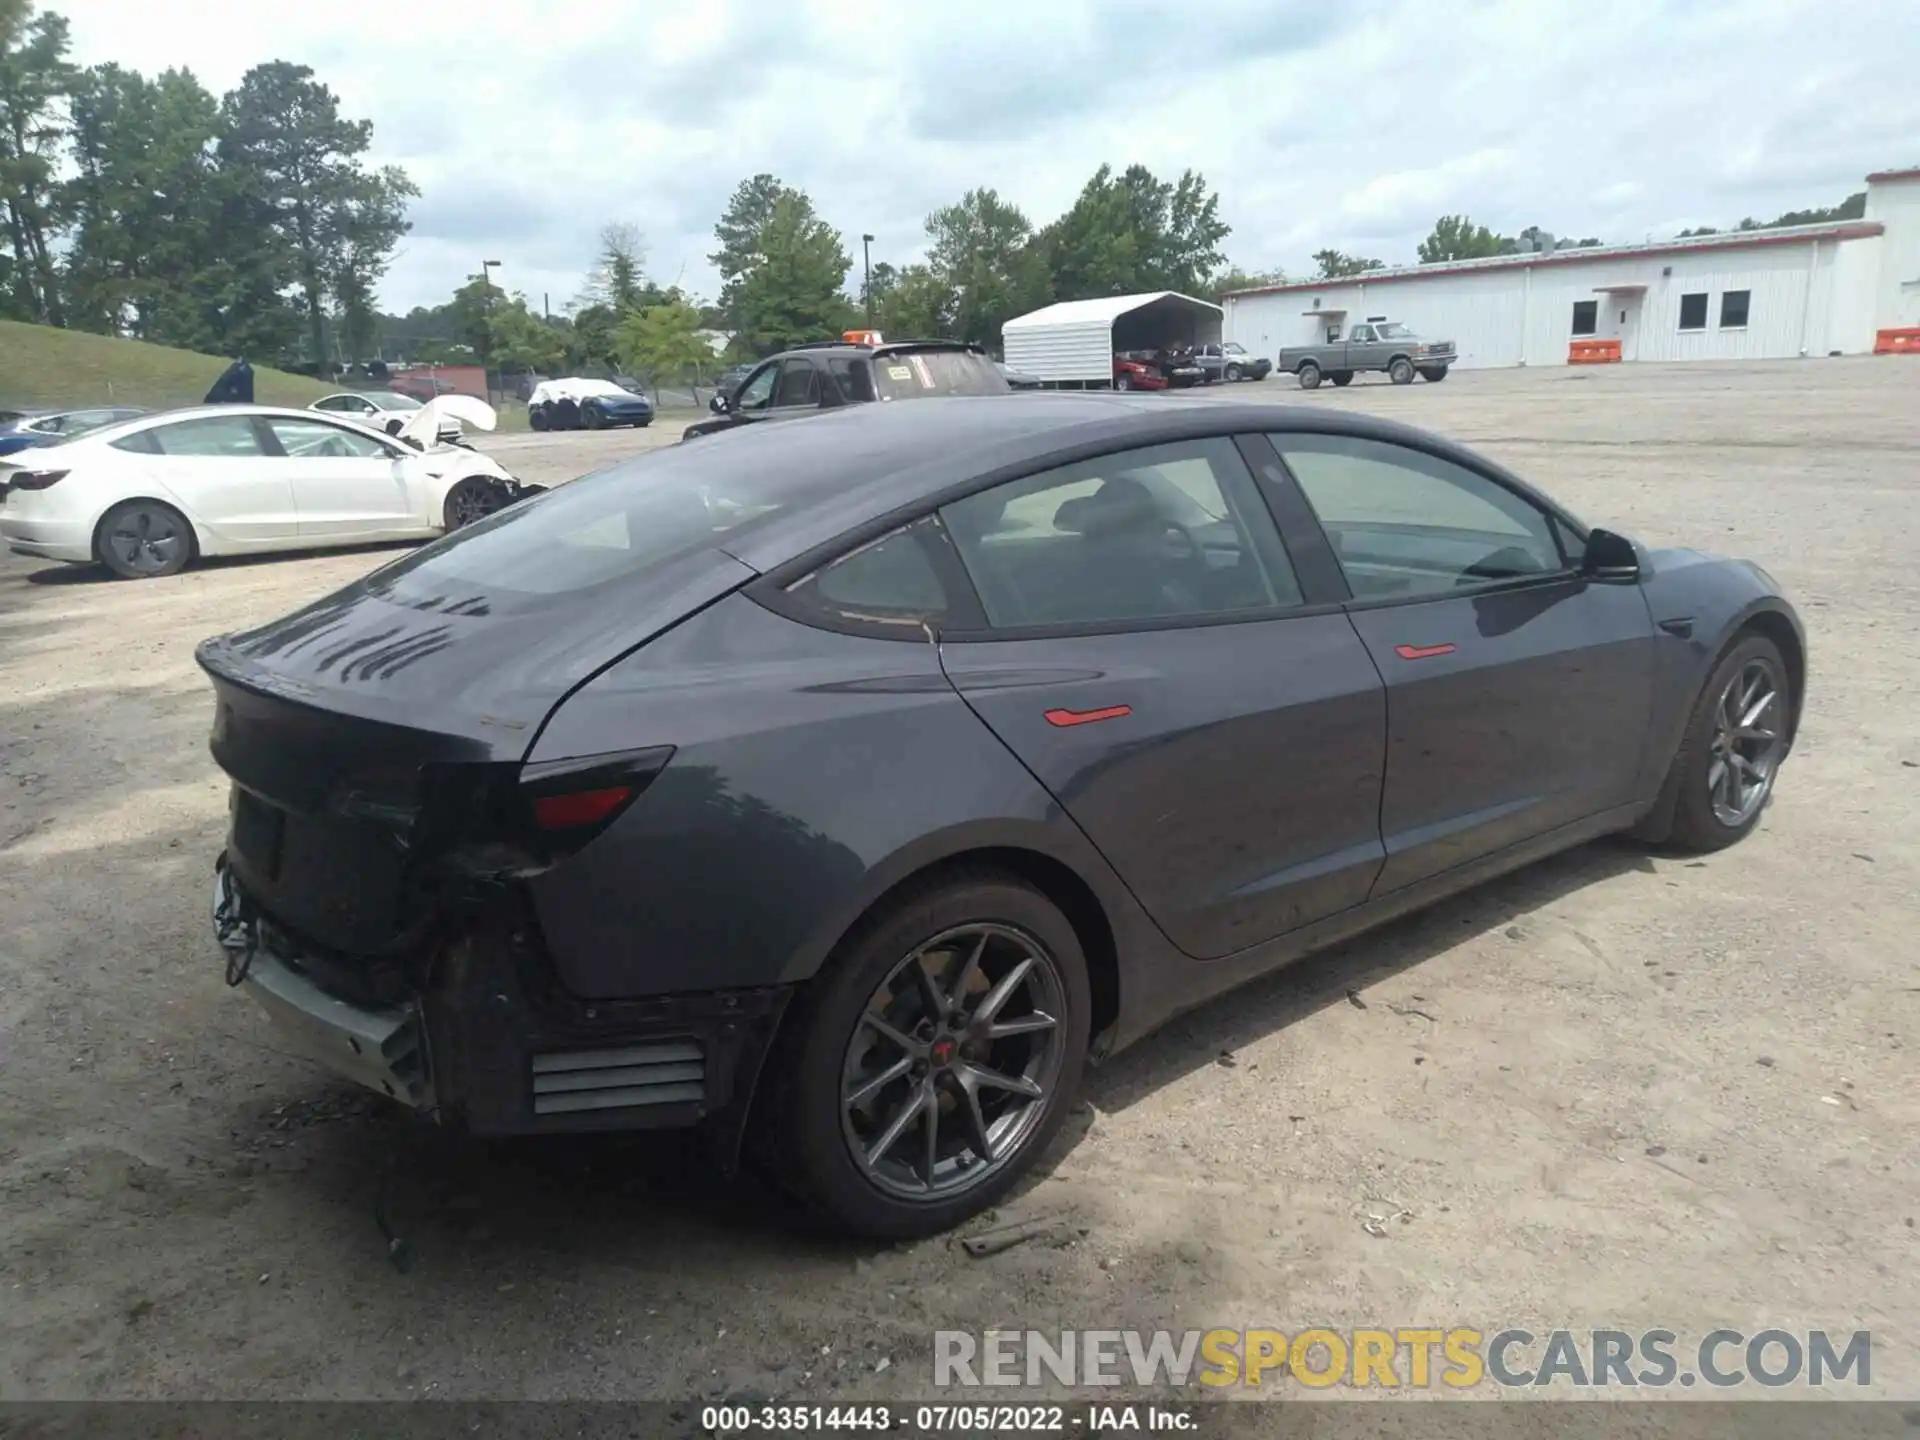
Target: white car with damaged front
147 497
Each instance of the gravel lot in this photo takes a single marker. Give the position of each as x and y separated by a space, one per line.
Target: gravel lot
1611 1090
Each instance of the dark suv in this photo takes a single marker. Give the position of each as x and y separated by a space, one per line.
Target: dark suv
810 378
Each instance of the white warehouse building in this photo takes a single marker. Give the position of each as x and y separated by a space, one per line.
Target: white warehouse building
1742 295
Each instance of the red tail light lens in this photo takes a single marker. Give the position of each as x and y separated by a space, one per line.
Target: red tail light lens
580 807
34 479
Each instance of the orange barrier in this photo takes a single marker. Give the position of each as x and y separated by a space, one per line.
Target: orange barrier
1897 342
1593 352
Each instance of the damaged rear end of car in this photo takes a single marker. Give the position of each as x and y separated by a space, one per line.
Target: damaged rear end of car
386 825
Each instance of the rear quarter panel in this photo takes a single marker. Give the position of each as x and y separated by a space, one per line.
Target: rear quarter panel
813 771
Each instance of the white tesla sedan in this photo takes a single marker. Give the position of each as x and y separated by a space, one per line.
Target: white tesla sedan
386 410
146 497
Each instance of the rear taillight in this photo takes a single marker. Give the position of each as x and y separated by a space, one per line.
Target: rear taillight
573 800
35 479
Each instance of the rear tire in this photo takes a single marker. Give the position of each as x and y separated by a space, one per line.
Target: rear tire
1309 374
144 540
1713 810
1401 371
830 1053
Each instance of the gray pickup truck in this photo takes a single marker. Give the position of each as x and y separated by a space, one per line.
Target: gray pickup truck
1378 344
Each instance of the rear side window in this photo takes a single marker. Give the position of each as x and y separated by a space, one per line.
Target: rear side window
891 584
854 377
217 436
1172 532
913 374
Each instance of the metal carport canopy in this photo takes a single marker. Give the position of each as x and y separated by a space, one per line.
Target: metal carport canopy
1075 339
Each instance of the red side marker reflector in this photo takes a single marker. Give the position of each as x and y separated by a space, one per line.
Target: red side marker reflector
1421 652
1087 717
582 807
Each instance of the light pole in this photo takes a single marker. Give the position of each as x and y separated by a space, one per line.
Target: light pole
866 264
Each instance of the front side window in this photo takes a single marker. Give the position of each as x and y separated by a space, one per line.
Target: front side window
1693 311
799 385
891 583
1171 532
229 437
854 377
317 440
1733 309
1362 332
1406 525
757 393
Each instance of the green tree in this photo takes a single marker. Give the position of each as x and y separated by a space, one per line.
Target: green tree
916 305
518 339
1456 237
596 330
35 81
739 230
983 254
472 313
291 152
618 281
1134 232
1337 265
791 291
662 343
359 237
1234 278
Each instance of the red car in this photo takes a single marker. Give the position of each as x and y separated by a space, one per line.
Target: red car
1154 370
1136 375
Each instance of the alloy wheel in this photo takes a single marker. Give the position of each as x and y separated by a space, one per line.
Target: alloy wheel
470 502
1748 739
953 1062
146 539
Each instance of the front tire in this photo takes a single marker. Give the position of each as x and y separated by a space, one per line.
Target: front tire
1401 371
1434 374
1309 374
144 540
1731 753
932 1061
1343 378
537 418
1233 374
1123 382
470 500
591 417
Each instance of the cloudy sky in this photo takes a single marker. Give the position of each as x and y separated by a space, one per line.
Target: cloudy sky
1350 123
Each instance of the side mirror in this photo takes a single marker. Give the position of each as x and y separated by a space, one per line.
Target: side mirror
718 404
1610 557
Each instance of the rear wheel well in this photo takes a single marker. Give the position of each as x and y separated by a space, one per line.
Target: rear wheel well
1059 883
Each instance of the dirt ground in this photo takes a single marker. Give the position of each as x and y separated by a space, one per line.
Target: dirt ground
1611 1090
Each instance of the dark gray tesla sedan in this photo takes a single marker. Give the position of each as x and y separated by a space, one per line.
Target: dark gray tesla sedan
841 787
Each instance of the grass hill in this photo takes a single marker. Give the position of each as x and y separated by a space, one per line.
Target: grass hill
40 365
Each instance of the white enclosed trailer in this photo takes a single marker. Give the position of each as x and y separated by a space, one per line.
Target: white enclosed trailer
1072 344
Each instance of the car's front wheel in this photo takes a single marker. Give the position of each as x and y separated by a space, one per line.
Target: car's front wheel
933 1060
1433 374
472 499
1123 381
143 540
1233 372
537 418
1731 754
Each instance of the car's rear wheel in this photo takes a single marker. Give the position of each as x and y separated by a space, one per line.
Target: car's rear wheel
470 500
932 1061
1735 741
1309 374
1401 371
1342 377
144 539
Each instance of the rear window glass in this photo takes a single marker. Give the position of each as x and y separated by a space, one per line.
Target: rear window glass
910 374
606 527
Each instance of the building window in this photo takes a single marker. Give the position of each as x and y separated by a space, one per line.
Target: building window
1733 309
1693 311
1586 316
